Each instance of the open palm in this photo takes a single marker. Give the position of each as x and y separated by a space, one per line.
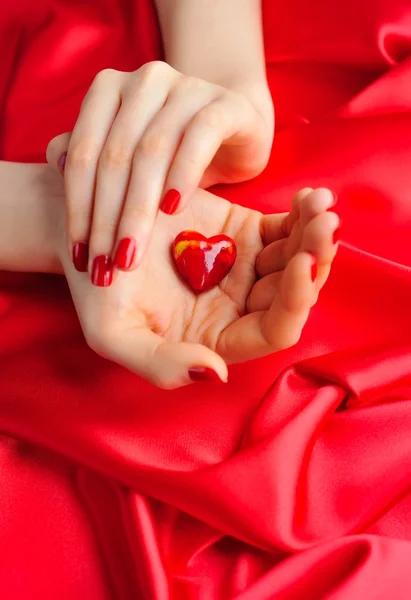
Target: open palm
152 323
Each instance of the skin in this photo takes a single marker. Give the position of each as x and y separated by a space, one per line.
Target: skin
205 117
261 307
198 119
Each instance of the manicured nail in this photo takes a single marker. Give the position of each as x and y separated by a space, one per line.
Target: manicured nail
80 256
125 254
314 267
62 162
336 235
170 202
102 273
203 374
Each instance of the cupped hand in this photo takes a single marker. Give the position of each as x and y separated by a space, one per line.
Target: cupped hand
149 139
150 322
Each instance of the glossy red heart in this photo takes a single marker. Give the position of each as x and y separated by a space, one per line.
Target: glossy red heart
203 262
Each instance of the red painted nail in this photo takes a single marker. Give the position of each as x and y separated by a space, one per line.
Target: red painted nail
80 256
125 254
170 202
336 235
314 267
203 374
62 162
102 274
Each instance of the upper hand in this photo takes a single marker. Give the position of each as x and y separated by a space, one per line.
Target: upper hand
140 135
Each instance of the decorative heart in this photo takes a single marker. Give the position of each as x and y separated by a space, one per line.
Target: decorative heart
203 262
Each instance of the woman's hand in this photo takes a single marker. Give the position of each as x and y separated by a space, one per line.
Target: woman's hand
146 140
152 324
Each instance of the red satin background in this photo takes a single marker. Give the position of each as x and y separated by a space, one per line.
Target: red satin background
293 481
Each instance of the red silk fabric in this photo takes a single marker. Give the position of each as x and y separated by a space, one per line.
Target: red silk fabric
292 481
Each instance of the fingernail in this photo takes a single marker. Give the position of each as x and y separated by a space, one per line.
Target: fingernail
335 198
170 202
203 374
80 256
102 273
125 254
62 162
336 235
314 267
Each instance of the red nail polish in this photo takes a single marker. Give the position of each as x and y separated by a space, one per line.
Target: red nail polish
203 374
170 202
336 235
125 254
102 274
314 267
80 256
62 162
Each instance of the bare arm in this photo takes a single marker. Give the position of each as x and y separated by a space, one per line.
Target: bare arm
220 41
30 211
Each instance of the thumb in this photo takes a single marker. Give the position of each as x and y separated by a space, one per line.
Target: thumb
57 151
166 365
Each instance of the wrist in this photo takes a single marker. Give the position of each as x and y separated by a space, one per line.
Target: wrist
258 94
48 188
31 217
218 41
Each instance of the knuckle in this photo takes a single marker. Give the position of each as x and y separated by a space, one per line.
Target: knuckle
187 83
104 80
186 162
77 221
154 70
136 212
103 229
115 156
83 155
210 117
153 145
105 77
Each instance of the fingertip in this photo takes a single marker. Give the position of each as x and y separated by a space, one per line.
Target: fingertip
326 196
56 150
61 163
314 267
205 374
102 271
336 235
300 195
336 226
304 192
80 256
183 363
170 202
125 255
222 369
